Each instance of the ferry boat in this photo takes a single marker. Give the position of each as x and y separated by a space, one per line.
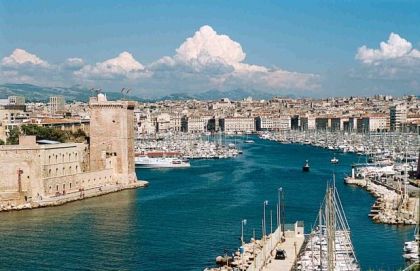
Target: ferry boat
160 160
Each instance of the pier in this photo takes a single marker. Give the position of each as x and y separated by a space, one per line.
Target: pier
260 255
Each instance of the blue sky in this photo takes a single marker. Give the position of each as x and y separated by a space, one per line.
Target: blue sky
310 48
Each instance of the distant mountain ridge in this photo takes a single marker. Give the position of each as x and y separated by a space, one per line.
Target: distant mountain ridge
41 94
77 93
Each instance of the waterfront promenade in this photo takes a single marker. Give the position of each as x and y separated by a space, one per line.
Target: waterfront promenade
292 246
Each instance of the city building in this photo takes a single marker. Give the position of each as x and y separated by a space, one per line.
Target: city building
57 104
44 173
16 100
237 124
397 116
281 123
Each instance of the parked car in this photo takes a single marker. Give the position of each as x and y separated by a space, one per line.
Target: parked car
280 254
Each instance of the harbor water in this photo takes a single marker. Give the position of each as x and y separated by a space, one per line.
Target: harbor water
187 217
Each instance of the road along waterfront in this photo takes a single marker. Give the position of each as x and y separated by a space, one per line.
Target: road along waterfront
187 217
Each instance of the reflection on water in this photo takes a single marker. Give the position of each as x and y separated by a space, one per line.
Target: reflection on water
185 218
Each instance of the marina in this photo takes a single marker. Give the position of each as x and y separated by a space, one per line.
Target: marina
198 209
389 173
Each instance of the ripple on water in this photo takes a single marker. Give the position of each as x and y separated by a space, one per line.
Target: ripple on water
187 217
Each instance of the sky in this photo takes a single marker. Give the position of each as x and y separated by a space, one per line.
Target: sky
155 48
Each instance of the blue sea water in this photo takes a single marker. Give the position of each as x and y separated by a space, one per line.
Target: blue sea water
187 217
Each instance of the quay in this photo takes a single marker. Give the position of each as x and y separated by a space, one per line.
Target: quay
292 244
73 196
39 173
389 172
260 255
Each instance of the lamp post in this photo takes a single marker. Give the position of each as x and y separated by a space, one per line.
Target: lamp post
243 223
264 223
279 191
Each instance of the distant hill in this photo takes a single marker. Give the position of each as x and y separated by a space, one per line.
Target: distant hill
77 93
37 93
235 95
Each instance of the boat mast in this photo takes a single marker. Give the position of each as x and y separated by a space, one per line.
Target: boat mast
330 223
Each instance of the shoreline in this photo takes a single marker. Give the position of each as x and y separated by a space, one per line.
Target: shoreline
75 196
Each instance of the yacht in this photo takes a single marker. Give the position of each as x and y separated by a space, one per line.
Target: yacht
161 162
411 248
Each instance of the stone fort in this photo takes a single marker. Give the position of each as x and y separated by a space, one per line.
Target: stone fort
35 175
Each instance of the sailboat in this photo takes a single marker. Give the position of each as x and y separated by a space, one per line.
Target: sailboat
411 248
247 140
334 160
329 245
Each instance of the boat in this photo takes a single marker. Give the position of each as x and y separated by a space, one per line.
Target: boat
161 162
306 167
160 159
411 248
248 141
334 160
329 246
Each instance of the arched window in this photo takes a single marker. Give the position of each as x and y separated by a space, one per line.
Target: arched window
69 185
49 159
49 172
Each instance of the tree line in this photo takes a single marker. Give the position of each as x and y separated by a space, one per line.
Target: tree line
44 133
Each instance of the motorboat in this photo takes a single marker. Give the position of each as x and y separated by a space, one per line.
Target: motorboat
306 167
334 160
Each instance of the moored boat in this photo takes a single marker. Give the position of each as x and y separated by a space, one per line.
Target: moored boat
306 167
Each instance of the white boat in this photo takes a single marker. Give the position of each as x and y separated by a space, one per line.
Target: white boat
161 162
249 141
411 248
334 160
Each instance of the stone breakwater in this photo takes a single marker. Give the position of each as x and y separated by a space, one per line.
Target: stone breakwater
79 195
390 207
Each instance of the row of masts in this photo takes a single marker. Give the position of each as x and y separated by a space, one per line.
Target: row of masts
329 245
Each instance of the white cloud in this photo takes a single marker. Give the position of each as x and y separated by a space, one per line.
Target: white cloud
204 61
124 65
219 61
73 63
22 57
396 48
206 47
394 60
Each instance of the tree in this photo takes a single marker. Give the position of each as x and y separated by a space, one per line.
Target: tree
13 138
2 142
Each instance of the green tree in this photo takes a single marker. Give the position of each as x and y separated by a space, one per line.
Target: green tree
13 138
2 142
